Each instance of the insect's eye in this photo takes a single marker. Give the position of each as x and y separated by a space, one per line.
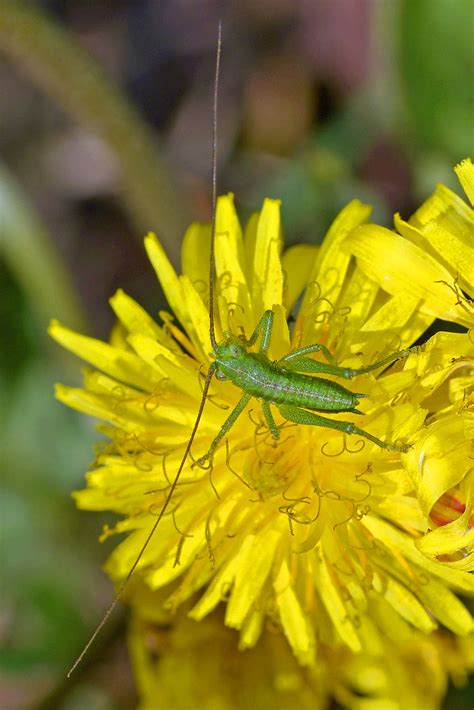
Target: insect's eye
235 350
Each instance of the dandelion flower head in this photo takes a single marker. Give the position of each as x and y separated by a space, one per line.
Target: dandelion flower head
328 537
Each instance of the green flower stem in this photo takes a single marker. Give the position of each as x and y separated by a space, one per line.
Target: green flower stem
55 60
28 250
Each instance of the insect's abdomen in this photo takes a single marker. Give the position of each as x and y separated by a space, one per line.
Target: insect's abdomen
260 377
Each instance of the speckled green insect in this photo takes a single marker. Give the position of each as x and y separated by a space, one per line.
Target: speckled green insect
297 396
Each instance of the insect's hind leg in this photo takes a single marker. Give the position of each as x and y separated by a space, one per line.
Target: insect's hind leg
228 424
303 416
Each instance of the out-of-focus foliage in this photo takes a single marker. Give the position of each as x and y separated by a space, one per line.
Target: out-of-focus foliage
436 65
319 103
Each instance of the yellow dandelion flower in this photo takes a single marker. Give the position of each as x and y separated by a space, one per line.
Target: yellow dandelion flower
185 664
197 665
415 677
329 537
440 234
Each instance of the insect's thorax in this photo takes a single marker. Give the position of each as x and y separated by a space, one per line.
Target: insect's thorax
255 374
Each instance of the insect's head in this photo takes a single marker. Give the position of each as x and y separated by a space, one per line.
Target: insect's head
230 348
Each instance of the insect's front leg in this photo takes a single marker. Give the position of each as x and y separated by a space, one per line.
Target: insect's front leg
303 416
228 424
263 329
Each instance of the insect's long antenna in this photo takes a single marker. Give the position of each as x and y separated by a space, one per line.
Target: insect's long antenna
155 525
212 260
207 383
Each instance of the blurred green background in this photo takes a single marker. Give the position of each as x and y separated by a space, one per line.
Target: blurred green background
320 102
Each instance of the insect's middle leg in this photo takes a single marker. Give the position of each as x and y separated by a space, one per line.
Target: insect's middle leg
385 361
228 424
303 416
297 361
306 364
270 420
307 350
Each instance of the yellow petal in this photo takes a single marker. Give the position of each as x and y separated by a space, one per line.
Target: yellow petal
465 173
456 538
448 233
297 263
399 266
256 560
295 623
233 297
327 277
215 592
393 626
392 537
195 253
176 374
450 539
405 603
167 276
267 280
124 366
393 315
440 458
280 341
199 317
133 317
354 305
251 630
336 608
446 607
169 570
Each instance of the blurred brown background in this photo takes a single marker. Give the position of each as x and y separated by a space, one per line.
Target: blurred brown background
320 101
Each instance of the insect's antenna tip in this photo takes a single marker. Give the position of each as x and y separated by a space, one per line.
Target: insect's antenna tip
97 630
212 262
